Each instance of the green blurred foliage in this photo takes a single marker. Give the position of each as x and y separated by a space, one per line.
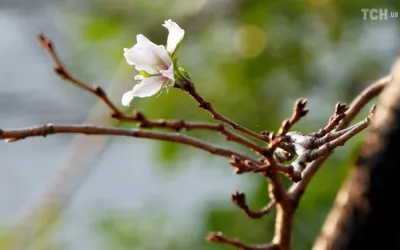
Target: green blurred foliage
252 60
34 235
141 231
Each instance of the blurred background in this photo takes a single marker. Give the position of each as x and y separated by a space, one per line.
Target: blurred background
251 59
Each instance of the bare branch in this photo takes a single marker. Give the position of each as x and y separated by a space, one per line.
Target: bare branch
63 73
363 98
141 119
314 148
339 141
358 127
275 186
242 166
179 125
219 237
190 89
334 120
299 111
245 166
240 200
48 129
359 102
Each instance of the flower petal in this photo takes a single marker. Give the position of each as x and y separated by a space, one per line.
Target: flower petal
175 35
127 98
169 73
147 56
148 86
139 78
142 59
158 50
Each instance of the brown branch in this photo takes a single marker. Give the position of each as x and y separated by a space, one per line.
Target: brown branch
179 125
299 111
288 171
309 148
242 166
143 121
248 166
48 129
277 191
240 200
285 202
188 87
63 73
356 128
340 141
284 223
275 186
320 155
334 120
363 98
358 103
219 237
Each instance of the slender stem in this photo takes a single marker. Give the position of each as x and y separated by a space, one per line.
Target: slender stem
340 141
240 200
362 99
373 90
221 238
180 124
48 129
137 116
190 89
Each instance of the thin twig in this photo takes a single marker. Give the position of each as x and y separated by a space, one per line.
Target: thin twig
339 141
48 129
329 137
141 119
239 199
334 120
276 188
264 167
63 73
190 89
286 202
362 99
288 171
299 111
373 90
219 237
179 125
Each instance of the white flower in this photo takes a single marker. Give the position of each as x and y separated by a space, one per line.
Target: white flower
154 60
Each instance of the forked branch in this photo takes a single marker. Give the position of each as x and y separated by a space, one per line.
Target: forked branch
276 151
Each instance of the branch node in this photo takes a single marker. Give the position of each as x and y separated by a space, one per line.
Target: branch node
265 133
140 117
99 91
61 72
205 105
49 129
45 42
